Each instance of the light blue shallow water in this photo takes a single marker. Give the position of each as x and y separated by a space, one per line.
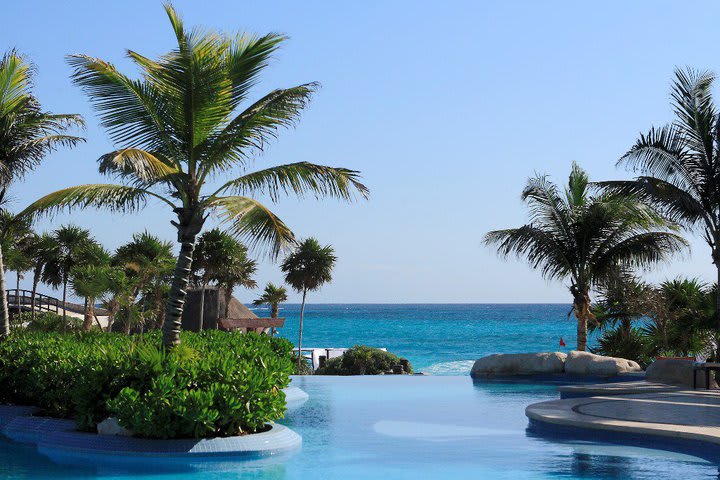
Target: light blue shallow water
439 339
410 428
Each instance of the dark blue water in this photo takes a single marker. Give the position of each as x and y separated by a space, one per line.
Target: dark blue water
436 338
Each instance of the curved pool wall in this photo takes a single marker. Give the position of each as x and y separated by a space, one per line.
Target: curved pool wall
565 433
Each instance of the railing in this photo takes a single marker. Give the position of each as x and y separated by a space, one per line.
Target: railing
22 300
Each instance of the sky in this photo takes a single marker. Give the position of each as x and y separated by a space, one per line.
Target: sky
445 107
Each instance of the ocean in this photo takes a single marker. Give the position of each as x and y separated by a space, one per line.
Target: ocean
439 339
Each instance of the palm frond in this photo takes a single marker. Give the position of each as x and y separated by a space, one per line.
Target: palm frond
138 164
299 179
248 219
117 198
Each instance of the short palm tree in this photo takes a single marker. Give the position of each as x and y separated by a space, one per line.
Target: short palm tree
220 258
147 260
71 246
307 269
272 296
585 238
27 135
91 282
38 250
15 232
180 126
680 163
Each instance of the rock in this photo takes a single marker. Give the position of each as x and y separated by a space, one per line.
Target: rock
509 364
110 426
675 371
586 363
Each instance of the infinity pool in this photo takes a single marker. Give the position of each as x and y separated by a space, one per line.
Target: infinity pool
414 428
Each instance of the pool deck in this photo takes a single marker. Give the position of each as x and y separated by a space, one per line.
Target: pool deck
643 409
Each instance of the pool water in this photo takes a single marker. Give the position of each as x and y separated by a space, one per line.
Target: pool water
412 428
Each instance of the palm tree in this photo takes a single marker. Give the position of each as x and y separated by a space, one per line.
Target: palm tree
680 162
147 259
222 259
27 135
272 296
307 269
90 282
72 246
585 238
179 126
38 249
116 295
15 232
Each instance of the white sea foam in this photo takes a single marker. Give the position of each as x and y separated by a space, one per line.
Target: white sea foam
460 367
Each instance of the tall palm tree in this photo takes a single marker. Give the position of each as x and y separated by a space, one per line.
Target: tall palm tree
585 237
180 125
272 296
680 162
27 135
307 269
72 246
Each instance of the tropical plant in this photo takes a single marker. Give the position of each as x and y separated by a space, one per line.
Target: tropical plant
621 302
27 135
307 269
680 162
116 295
71 246
585 237
15 232
148 262
179 126
91 281
362 360
222 259
272 296
38 249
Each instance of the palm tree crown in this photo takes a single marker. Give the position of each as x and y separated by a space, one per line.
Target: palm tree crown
180 126
680 162
585 237
272 296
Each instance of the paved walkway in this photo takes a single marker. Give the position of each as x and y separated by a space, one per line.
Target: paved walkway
692 415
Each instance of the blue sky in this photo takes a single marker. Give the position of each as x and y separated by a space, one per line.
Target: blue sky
445 107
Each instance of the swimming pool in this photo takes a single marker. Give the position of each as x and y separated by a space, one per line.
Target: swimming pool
412 427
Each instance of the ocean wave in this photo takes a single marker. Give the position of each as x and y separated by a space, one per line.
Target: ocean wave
459 367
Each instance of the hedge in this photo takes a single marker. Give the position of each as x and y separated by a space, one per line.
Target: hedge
214 384
362 360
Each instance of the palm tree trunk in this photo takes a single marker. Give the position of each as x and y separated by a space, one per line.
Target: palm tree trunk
302 314
65 281
202 305
178 291
274 310
89 314
581 306
717 311
228 299
4 314
17 294
33 294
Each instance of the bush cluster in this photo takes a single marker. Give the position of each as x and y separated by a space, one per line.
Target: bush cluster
45 322
362 360
214 384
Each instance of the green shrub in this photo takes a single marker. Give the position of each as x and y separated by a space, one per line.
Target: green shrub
214 384
362 360
46 322
633 346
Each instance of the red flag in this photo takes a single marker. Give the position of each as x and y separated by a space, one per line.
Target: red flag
562 342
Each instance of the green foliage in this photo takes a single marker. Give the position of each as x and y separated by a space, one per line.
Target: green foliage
215 384
45 322
362 360
310 266
632 344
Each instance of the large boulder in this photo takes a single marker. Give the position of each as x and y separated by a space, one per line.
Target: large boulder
675 371
589 364
509 364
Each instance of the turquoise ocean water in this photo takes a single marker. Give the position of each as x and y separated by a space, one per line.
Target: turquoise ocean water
442 339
